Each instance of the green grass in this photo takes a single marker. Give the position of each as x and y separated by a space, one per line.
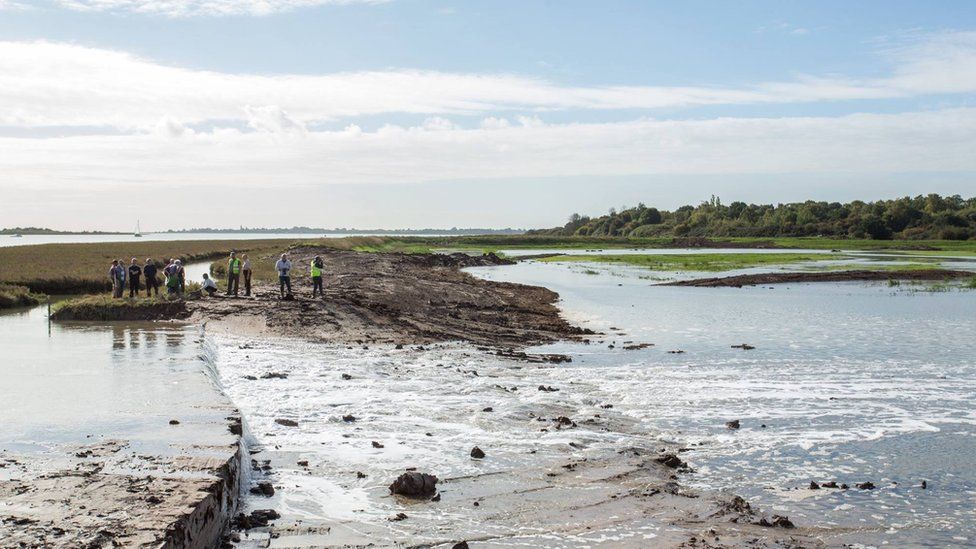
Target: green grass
106 308
690 262
83 268
17 296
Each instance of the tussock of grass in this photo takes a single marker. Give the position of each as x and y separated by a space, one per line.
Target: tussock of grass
689 262
107 308
17 296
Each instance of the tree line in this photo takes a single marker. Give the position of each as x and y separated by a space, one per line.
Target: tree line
921 217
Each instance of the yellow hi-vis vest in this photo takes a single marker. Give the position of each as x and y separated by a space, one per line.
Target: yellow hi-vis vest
316 271
235 266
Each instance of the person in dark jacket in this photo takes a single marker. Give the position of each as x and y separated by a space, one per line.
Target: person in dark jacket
135 272
152 283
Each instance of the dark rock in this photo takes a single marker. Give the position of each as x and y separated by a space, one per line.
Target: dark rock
346 377
436 497
398 517
924 485
671 460
488 409
865 485
414 485
303 463
174 422
676 352
460 545
274 375
548 389
734 424
360 474
377 445
477 453
844 486
743 346
349 418
286 422
814 485
778 521
251 378
264 489
831 484
256 519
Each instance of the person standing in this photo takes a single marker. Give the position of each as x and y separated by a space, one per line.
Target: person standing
233 273
283 266
122 276
175 281
150 273
316 270
118 279
246 271
135 272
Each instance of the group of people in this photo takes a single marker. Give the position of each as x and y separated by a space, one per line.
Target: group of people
174 277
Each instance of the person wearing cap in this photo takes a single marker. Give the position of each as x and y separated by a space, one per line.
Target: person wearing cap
316 270
135 271
152 283
233 273
283 266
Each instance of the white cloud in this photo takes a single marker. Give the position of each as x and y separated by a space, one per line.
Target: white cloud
50 84
936 141
272 119
196 8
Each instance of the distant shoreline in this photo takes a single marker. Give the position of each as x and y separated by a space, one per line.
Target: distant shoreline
294 230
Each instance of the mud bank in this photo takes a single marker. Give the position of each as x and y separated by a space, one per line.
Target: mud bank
394 298
106 494
836 276
104 309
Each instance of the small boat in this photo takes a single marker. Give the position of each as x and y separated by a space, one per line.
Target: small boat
138 232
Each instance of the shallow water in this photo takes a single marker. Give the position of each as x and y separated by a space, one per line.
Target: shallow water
66 384
854 382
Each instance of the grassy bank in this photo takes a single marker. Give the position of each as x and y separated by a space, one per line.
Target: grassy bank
83 268
692 262
106 308
17 296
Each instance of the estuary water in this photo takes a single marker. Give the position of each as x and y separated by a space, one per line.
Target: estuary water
851 382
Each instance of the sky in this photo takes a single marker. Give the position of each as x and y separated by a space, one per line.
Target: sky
416 113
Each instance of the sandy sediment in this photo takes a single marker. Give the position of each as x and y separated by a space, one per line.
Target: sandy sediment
395 298
830 276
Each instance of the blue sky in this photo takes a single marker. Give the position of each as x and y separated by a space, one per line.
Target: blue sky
406 113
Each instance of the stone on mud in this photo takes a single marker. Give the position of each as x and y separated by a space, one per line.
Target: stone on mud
415 485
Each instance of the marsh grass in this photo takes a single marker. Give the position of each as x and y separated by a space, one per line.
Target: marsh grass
689 262
17 296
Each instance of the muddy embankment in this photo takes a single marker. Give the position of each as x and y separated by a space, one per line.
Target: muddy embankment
101 309
105 494
934 275
395 298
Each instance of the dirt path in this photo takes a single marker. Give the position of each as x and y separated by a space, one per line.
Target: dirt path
834 276
395 298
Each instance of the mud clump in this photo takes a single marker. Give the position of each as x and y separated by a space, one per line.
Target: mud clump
777 521
263 489
672 461
286 422
257 519
734 424
414 485
477 453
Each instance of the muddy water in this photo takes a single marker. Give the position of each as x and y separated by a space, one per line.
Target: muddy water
848 382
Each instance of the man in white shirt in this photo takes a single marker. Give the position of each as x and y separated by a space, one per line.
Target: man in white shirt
283 266
209 285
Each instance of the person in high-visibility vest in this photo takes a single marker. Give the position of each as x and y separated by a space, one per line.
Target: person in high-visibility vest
316 269
233 274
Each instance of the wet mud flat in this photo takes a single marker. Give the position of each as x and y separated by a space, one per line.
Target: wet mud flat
107 495
738 281
395 298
